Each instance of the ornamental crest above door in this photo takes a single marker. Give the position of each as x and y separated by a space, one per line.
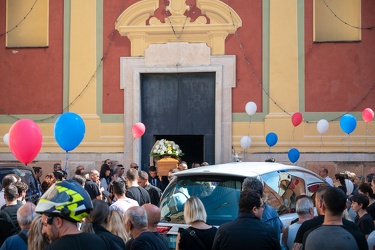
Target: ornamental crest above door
141 25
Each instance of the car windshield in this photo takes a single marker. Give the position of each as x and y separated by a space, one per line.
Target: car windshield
219 194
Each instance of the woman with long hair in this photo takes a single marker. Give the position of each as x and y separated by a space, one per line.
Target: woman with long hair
340 182
96 221
104 177
199 235
115 224
36 240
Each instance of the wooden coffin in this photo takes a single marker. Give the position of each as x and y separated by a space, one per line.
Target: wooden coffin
165 164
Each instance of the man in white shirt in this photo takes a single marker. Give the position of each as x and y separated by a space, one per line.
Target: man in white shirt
122 203
323 172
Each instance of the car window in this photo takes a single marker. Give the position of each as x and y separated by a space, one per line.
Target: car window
282 188
32 193
219 195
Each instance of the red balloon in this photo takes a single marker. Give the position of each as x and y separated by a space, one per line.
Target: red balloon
138 129
368 115
297 119
25 140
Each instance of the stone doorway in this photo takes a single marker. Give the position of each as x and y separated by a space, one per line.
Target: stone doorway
188 58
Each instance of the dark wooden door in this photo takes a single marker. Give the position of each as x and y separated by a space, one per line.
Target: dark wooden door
179 105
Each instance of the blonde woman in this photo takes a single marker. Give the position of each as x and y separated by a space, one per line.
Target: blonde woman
199 235
36 240
115 224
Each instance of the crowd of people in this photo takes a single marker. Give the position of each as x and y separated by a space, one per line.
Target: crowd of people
115 205
114 209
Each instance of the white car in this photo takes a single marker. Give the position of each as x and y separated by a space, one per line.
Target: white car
219 186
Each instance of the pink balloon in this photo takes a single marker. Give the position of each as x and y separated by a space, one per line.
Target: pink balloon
25 140
138 129
368 115
297 119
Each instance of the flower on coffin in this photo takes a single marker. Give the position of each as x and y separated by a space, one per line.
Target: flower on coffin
163 148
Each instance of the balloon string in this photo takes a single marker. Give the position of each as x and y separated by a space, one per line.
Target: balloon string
127 151
249 126
294 128
28 179
292 138
348 147
321 145
66 160
367 134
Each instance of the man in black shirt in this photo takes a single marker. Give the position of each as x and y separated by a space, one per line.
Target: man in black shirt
135 221
91 185
154 179
318 220
8 215
153 191
134 191
247 231
334 203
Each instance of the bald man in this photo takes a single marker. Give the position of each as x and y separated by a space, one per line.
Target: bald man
25 215
136 225
153 216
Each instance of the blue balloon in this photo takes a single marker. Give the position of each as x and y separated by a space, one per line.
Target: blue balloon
69 131
271 139
348 123
293 155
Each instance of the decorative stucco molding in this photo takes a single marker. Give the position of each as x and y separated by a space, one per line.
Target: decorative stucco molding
217 21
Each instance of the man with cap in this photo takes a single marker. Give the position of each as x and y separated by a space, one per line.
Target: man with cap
64 205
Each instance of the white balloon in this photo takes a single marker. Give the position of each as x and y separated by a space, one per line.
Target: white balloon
245 142
6 139
322 126
349 187
251 108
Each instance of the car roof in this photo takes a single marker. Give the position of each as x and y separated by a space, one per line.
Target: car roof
11 166
242 169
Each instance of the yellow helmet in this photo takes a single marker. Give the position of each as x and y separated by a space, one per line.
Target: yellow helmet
66 199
